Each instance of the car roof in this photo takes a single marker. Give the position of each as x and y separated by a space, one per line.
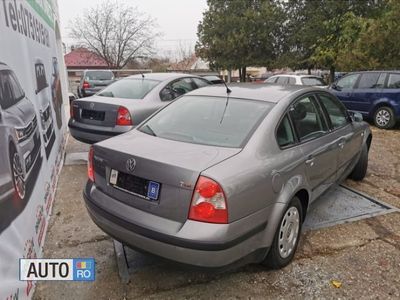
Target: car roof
294 76
254 91
374 71
161 76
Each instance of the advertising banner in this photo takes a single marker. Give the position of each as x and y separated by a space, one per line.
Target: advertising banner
32 133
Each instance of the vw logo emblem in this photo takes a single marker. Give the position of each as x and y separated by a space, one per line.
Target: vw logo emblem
130 164
91 105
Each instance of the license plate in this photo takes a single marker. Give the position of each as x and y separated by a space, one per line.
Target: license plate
136 185
114 177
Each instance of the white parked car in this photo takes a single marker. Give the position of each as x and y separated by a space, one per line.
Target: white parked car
286 79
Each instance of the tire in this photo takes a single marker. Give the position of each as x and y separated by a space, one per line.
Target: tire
384 117
17 174
277 257
360 169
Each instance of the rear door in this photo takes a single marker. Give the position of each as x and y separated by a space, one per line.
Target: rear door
342 132
320 153
367 89
391 92
343 89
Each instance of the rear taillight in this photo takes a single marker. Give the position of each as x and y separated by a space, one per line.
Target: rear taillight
208 202
71 109
124 117
85 85
90 164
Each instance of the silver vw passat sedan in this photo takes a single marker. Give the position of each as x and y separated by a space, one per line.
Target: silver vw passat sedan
221 176
126 103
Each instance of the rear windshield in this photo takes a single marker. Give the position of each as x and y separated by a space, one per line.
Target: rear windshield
314 81
99 75
129 88
205 120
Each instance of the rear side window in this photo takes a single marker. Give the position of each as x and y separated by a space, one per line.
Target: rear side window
271 80
394 81
292 81
282 80
347 82
129 88
313 81
336 112
307 119
368 81
284 134
200 82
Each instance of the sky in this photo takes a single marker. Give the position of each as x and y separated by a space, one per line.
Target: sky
177 20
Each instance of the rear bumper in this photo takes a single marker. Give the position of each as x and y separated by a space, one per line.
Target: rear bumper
92 134
199 247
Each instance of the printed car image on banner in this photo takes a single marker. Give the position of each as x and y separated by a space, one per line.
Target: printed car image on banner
32 133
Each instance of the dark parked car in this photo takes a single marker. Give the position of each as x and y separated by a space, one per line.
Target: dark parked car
93 81
375 94
20 145
215 178
127 102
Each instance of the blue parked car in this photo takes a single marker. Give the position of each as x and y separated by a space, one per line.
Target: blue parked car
375 94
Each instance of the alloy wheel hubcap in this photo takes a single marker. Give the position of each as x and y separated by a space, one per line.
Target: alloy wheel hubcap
383 117
19 178
288 232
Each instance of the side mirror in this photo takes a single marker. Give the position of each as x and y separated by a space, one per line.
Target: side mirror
336 87
356 116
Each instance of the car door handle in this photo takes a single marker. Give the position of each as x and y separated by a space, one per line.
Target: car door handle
310 161
341 144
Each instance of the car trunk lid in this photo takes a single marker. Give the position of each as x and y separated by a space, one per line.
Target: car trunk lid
171 167
100 111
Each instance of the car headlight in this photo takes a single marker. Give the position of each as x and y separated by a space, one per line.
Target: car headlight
42 118
20 133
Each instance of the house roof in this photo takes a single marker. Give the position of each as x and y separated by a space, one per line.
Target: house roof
83 58
191 63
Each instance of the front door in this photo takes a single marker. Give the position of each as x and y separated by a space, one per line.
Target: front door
348 142
320 154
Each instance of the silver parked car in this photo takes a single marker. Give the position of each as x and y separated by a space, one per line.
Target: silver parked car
220 178
20 146
127 102
288 79
43 96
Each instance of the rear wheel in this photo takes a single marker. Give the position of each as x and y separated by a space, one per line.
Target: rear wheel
286 237
360 169
17 173
384 118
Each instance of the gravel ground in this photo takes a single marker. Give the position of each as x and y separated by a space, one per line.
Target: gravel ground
363 256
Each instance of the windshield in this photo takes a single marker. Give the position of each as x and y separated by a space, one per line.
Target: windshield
206 120
129 88
99 75
314 81
41 81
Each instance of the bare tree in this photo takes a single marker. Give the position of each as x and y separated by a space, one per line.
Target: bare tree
184 56
116 32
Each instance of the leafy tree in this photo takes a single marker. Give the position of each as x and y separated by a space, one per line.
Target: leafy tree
235 34
372 43
116 32
332 16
